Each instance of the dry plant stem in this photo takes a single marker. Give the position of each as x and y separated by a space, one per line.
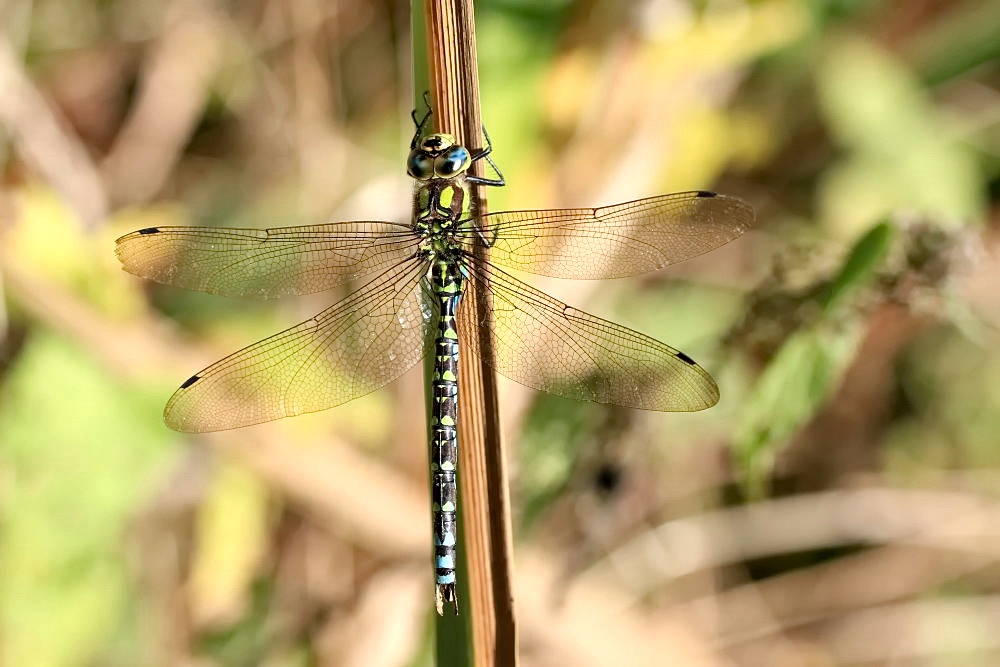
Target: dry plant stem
42 140
482 468
174 88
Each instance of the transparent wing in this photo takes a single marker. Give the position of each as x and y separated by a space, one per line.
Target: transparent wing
543 343
264 262
351 349
612 241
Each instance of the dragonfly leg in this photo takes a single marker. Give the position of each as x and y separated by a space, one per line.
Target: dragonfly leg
420 124
484 153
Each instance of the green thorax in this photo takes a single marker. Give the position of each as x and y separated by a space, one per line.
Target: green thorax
439 165
440 205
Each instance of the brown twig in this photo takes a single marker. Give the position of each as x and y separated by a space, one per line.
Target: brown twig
485 514
44 142
173 91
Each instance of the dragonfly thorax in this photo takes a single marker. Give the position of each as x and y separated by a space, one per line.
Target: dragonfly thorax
440 207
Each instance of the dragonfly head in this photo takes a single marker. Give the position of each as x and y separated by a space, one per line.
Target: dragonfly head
438 156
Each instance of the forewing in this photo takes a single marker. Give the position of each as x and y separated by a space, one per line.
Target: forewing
541 342
351 349
612 241
264 262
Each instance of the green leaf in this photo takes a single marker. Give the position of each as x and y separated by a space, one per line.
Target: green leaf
860 265
901 154
801 376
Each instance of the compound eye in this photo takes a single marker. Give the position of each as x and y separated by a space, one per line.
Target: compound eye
419 165
454 161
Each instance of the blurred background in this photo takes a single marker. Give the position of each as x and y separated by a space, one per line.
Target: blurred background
838 507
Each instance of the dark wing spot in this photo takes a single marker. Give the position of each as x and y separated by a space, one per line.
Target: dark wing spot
190 381
150 230
680 355
706 193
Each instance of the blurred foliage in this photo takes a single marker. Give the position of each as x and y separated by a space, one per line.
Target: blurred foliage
900 157
80 452
853 334
802 373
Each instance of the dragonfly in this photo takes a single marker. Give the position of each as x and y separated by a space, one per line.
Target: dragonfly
420 285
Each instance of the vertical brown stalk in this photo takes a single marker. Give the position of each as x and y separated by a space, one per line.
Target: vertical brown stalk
484 506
